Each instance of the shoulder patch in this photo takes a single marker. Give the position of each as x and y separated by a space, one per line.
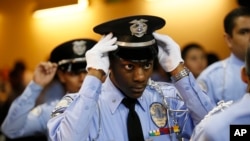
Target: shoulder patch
62 106
36 111
202 84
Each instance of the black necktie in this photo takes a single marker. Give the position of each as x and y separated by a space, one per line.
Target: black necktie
133 122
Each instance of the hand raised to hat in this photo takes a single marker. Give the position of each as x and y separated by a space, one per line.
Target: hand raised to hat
44 73
97 57
169 54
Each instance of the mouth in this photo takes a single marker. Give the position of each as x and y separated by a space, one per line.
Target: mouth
138 89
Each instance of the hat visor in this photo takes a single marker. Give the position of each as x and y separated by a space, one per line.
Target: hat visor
73 67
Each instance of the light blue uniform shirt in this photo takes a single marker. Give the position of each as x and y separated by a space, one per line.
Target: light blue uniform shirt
222 80
217 126
77 117
24 119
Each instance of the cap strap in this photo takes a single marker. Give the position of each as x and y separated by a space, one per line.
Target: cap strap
135 44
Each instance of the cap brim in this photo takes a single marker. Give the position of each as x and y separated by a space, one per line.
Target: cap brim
73 67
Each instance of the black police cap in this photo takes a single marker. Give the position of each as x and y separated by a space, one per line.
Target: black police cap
134 34
70 55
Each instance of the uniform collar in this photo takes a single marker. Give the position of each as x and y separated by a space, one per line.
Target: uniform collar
114 97
233 59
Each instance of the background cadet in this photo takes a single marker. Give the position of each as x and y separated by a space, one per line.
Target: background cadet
221 80
66 66
216 126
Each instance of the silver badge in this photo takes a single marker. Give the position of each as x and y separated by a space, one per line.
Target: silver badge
79 47
158 114
138 27
62 106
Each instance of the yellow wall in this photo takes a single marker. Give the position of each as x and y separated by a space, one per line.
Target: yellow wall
22 36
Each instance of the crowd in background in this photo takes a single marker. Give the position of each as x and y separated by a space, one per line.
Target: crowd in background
13 81
12 84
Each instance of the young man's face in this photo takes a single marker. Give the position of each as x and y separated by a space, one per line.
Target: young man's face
130 77
240 37
196 61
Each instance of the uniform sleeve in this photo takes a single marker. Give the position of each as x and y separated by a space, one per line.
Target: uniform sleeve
196 100
207 84
18 120
64 124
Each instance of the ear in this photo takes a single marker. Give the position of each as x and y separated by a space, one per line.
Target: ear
228 40
60 76
244 76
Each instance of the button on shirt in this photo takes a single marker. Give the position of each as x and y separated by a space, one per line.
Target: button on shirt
24 119
82 121
222 80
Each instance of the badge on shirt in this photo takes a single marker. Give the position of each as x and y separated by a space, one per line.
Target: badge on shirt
158 114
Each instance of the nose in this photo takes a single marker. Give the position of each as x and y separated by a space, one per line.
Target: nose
139 75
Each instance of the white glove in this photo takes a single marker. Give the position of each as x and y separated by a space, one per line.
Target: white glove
169 54
97 57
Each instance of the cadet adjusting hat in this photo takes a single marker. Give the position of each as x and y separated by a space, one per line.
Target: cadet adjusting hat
134 36
70 55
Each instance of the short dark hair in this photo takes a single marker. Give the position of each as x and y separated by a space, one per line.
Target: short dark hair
212 57
188 47
229 20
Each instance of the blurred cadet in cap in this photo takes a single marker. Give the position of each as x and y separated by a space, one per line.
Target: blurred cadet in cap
221 79
67 64
216 125
126 56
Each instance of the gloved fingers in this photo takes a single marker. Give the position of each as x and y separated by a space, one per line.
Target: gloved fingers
111 41
102 42
97 57
164 41
107 43
106 38
159 36
111 45
110 48
156 35
163 38
161 52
